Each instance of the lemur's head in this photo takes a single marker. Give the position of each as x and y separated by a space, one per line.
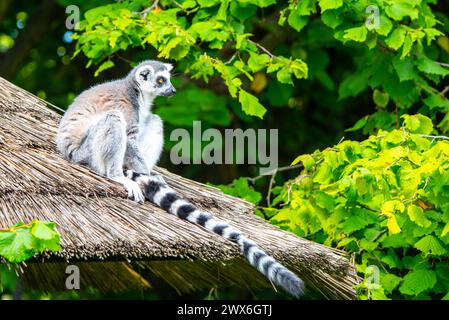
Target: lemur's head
153 77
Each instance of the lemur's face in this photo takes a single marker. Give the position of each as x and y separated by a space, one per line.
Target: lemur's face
155 81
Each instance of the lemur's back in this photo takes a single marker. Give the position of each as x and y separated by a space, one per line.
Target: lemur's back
87 108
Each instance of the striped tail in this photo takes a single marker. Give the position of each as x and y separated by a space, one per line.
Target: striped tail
158 192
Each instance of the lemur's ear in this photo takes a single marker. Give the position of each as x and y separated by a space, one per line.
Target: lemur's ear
144 72
169 66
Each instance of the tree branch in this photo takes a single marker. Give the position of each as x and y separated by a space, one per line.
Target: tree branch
262 48
443 64
274 171
434 137
145 12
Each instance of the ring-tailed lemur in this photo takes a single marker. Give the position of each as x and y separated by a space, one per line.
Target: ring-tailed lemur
110 128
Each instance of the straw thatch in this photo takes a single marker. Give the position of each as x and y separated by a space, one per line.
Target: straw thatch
98 223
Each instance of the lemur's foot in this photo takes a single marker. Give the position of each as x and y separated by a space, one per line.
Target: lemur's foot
133 188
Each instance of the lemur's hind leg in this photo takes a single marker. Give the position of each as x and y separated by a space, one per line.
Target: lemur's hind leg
151 140
104 149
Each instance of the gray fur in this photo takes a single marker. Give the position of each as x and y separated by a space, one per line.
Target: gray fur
101 127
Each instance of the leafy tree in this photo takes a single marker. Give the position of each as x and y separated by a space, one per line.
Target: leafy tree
384 200
396 49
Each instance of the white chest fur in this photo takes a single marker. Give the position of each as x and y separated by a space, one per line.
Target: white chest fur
145 104
151 135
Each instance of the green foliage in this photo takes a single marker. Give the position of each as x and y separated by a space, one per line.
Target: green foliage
396 52
385 200
241 189
22 241
195 33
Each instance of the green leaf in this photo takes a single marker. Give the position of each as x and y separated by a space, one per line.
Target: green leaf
325 201
208 3
222 12
22 241
332 18
105 65
358 219
251 105
429 66
398 11
306 7
189 4
391 259
44 230
330 4
390 281
396 39
259 3
306 159
431 34
418 216
418 123
357 34
404 68
416 282
358 125
242 12
17 246
408 43
445 230
437 101
258 62
380 98
368 245
430 245
296 20
378 294
385 26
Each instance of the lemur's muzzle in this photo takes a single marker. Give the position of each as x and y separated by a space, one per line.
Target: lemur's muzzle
170 92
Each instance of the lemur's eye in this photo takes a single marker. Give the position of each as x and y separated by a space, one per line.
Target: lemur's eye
161 80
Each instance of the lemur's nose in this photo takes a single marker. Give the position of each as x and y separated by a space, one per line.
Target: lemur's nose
169 92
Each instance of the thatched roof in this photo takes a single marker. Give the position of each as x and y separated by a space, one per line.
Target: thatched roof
98 223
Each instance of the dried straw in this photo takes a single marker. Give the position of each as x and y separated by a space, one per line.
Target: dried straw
98 223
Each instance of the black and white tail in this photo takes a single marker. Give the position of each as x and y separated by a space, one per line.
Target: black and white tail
158 192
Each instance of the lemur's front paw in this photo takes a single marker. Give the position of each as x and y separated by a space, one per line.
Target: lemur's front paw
133 188
134 191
